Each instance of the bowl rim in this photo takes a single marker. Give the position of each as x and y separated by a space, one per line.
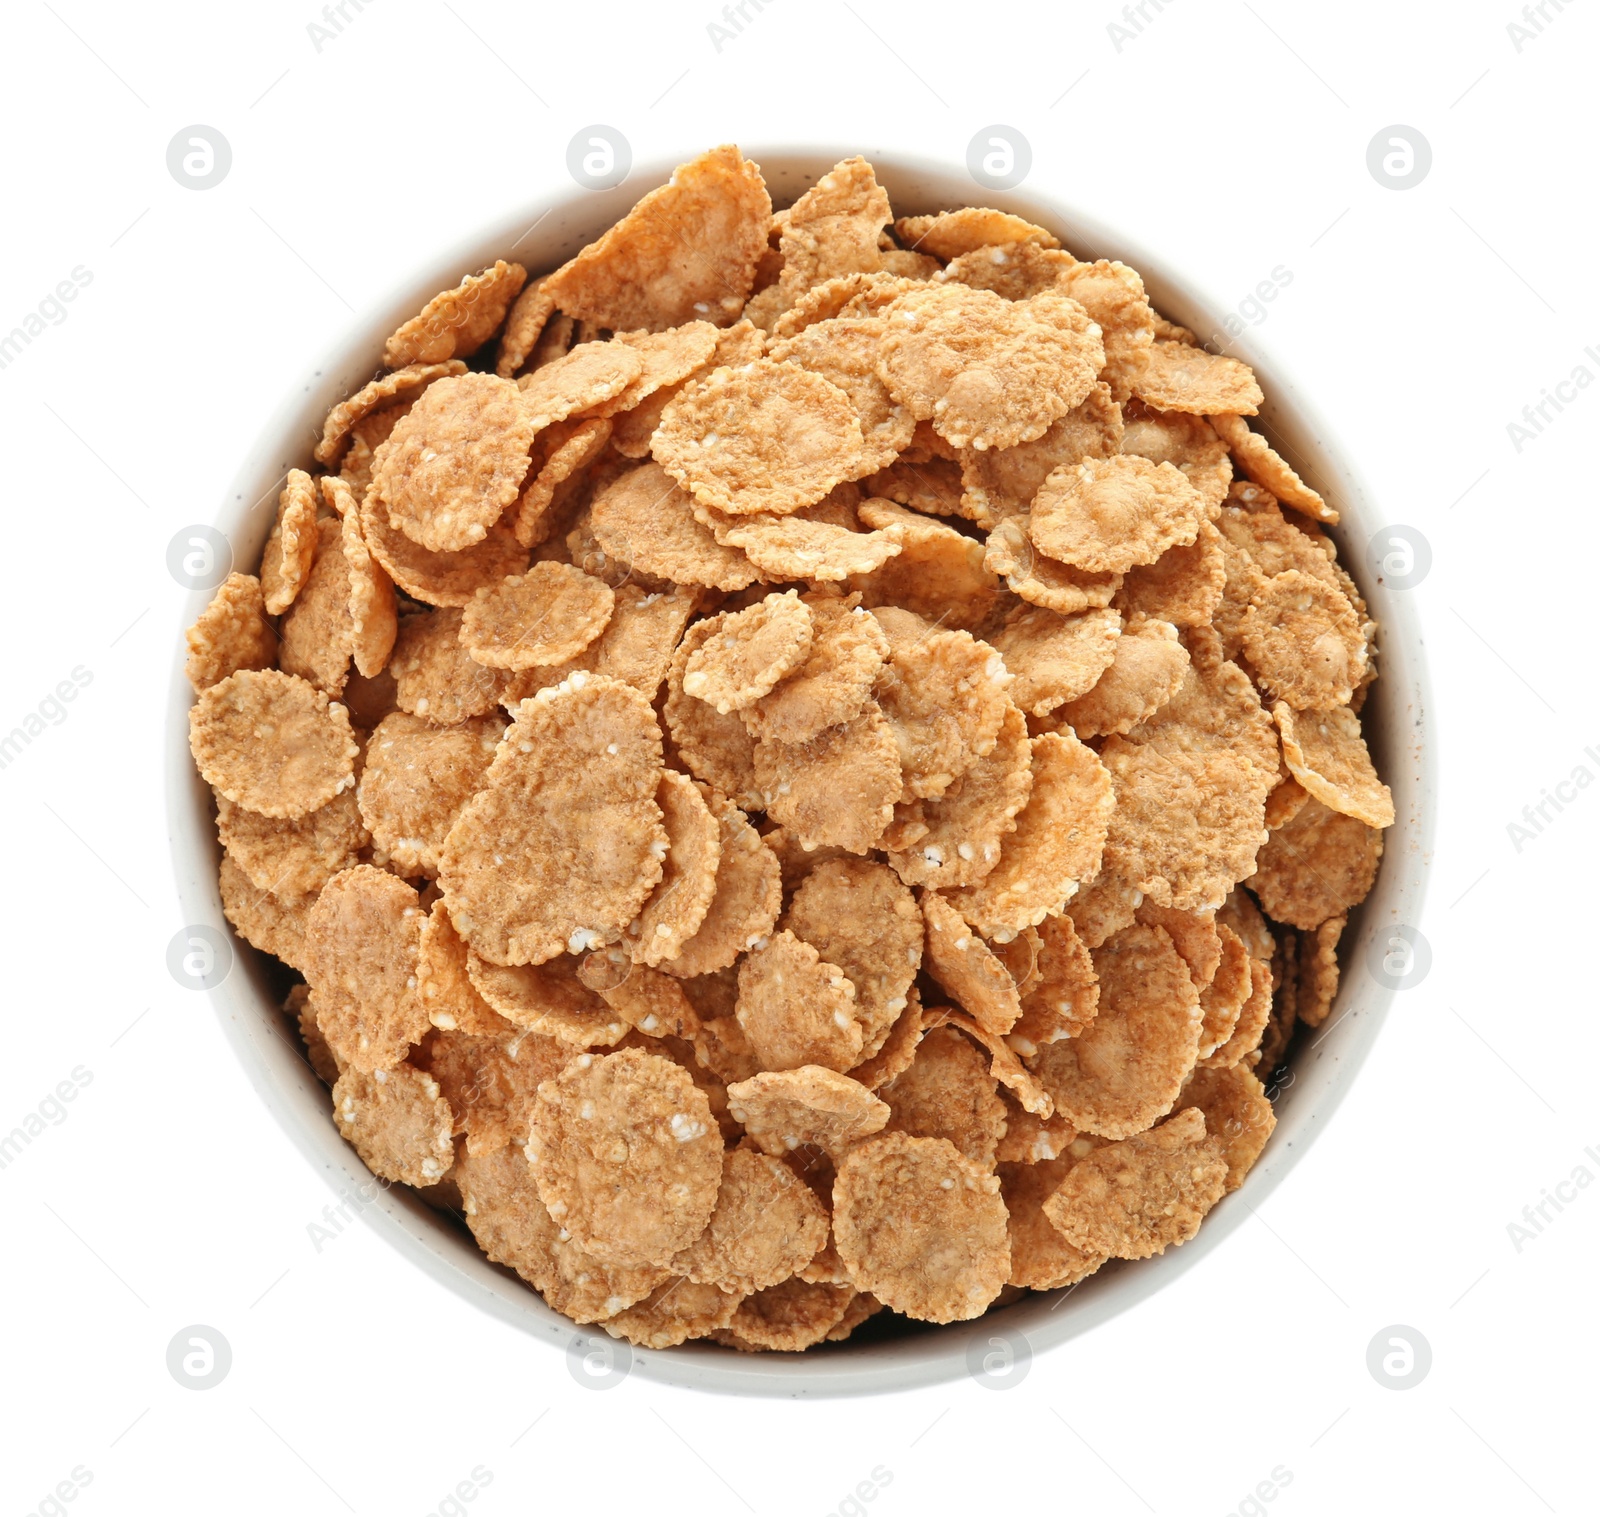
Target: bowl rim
1323 1070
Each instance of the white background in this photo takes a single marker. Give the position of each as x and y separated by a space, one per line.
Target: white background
1227 137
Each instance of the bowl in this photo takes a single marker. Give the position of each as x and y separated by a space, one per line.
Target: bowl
541 235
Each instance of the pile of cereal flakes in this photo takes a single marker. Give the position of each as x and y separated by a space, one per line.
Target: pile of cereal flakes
809 764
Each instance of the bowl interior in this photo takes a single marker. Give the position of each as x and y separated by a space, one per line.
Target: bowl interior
540 236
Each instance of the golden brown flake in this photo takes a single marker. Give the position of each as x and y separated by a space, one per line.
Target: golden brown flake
1223 999
844 350
318 633
834 681
949 234
674 1313
549 999
1186 442
502 1207
944 696
1056 844
1041 581
678 905
274 924
1108 514
716 748
1125 1070
231 634
456 323
292 856
546 616
374 620
688 250
287 558
1041 1258
361 963
750 652
445 982
898 1048
455 461
1318 971
439 579
1002 482
959 837
797 1009
1328 756
857 915
398 1121
272 743
784 1110
1067 996
988 372
961 962
764 437
1303 641
644 519
525 324
571 797
921 1226
766 1225
1177 377
949 1093
1316 866
561 452
1146 671
1260 462
838 789
1237 1112
403 384
789 1317
747 899
1184 586
939 573
417 778
1015 271
1113 295
627 1156
1132 1199
832 230
435 676
1056 659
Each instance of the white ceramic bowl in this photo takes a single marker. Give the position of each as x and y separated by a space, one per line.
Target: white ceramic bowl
540 236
